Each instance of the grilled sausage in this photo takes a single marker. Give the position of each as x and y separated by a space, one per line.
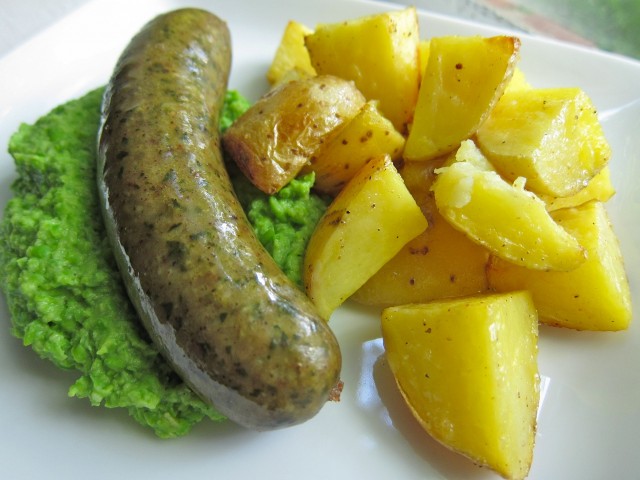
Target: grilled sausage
231 324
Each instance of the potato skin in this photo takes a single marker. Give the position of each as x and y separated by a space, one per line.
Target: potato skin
231 324
280 133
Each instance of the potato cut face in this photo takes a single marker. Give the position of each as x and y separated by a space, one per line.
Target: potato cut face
504 218
366 225
273 140
291 59
379 53
439 263
517 82
364 137
599 188
423 56
594 296
468 370
552 137
464 78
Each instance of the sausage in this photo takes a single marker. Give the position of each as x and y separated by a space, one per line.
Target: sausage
231 324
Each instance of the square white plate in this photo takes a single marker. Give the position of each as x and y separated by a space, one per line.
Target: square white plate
589 421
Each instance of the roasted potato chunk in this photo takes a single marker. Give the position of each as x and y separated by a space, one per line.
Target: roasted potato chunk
366 225
366 136
469 373
423 56
518 82
464 78
291 60
599 188
594 296
279 134
551 137
439 263
379 53
506 219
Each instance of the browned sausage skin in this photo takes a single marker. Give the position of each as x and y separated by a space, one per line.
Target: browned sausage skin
231 324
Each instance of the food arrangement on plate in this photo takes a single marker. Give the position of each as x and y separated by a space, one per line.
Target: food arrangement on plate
447 191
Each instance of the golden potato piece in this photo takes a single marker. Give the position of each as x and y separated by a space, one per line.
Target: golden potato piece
366 224
506 219
594 296
551 137
379 53
518 82
439 263
367 135
291 60
468 370
464 78
279 134
599 188
423 56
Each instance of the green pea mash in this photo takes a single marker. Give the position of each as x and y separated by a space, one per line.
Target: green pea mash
62 286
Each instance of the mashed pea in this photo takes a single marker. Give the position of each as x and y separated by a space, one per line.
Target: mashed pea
283 222
63 290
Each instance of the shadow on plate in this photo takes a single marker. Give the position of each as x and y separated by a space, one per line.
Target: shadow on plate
450 464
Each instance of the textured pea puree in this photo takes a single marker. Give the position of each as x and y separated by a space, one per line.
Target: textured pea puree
63 289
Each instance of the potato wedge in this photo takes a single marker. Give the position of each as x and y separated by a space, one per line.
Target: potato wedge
439 263
470 153
291 60
468 370
518 82
279 134
367 135
599 188
379 53
365 226
464 78
551 137
423 56
506 219
594 296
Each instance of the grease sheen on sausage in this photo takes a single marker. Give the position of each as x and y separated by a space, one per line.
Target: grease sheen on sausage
231 324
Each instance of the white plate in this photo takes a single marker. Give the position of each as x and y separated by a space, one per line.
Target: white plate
589 422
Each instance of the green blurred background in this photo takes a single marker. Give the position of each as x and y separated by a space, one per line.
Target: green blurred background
612 25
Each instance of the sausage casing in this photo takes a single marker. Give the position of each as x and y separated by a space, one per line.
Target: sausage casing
230 323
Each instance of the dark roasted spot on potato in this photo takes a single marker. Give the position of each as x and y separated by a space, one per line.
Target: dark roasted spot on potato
336 220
